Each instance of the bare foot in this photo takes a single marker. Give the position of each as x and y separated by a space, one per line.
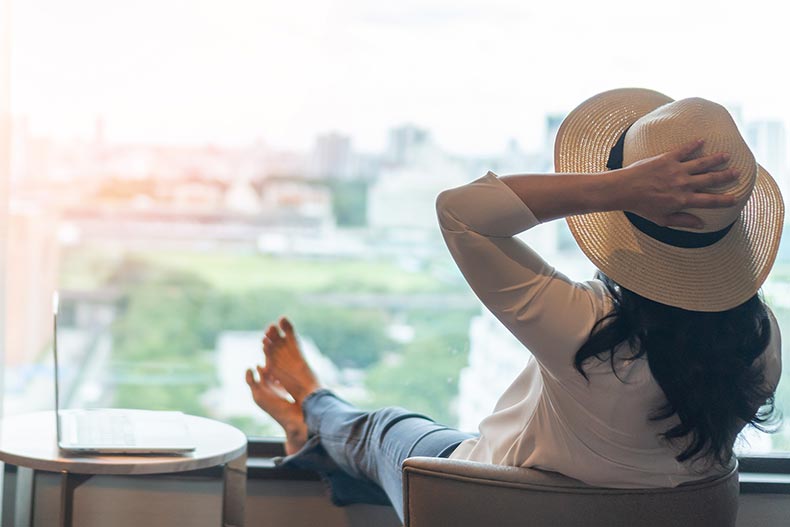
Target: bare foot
272 399
285 362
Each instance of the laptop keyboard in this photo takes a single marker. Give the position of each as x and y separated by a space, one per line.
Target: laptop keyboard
107 430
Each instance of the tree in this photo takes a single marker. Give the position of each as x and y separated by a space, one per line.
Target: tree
424 379
159 358
350 337
350 202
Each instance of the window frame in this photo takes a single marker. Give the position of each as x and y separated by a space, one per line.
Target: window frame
264 447
758 474
259 447
766 464
5 175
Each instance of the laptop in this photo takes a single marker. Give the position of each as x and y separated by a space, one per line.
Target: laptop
116 431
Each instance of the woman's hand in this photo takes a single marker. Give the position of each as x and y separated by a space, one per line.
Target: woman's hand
660 187
657 188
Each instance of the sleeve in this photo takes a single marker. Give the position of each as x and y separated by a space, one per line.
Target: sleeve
547 312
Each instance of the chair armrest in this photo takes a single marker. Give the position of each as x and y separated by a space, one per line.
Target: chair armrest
500 475
439 491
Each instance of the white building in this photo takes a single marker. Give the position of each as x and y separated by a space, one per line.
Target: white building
768 141
404 195
332 156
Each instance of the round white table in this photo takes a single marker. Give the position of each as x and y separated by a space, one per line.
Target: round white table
29 442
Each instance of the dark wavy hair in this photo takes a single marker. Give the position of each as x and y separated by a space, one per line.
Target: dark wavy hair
704 363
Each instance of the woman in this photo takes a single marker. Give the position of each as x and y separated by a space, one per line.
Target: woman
640 378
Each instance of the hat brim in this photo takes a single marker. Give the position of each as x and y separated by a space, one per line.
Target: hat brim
713 278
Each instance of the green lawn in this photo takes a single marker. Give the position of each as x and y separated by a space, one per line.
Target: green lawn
89 268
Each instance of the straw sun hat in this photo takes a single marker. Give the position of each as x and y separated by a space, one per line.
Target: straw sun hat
714 268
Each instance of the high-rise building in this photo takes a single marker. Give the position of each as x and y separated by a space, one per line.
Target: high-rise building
768 141
405 143
553 122
332 156
404 194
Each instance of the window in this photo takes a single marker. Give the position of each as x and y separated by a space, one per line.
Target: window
185 172
5 163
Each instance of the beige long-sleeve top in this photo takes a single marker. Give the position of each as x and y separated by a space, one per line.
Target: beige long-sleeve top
550 417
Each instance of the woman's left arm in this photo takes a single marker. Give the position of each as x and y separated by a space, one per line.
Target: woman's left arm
549 313
658 188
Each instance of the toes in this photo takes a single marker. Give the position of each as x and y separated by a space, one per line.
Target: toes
269 384
251 382
273 333
267 376
287 327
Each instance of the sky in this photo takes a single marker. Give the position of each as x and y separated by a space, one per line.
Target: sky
475 73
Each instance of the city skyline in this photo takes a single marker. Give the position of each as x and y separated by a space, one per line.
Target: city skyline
475 73
767 136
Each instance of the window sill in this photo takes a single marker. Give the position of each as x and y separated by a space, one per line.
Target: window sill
762 483
758 475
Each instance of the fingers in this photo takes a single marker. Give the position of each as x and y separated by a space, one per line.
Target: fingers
701 164
685 220
714 179
683 152
706 163
709 201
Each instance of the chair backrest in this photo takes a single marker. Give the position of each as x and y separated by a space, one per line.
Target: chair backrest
457 493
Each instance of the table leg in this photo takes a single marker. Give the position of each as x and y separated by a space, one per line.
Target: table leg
68 483
25 490
234 491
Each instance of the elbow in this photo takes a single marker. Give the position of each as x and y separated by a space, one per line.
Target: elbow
446 204
441 204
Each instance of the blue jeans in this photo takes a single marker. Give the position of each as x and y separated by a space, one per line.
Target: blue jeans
359 454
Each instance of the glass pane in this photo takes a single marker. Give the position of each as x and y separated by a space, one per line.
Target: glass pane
186 172
5 163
